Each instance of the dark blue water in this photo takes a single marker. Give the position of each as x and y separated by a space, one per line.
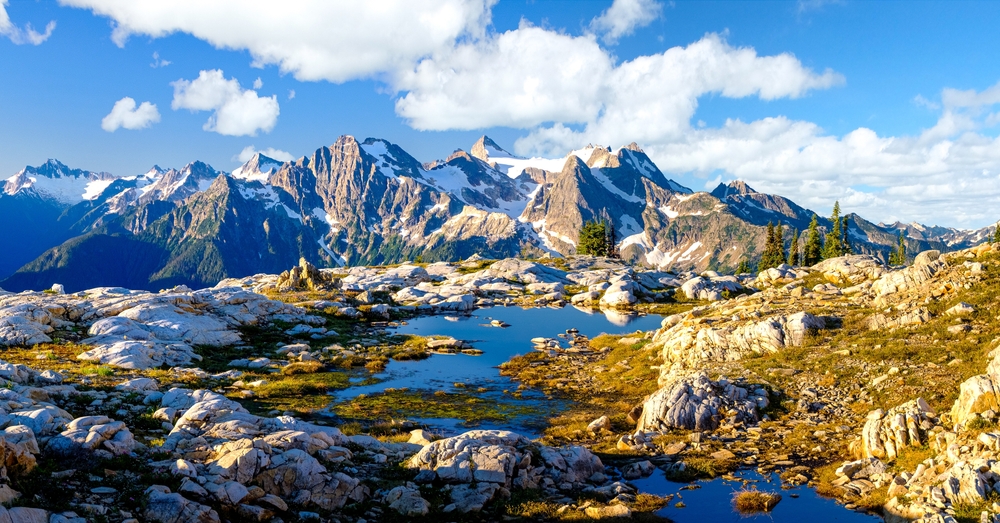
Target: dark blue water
442 371
713 501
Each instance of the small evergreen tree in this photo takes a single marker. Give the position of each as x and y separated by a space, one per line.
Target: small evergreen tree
774 249
793 249
832 247
743 267
996 234
898 255
611 241
593 239
845 243
813 252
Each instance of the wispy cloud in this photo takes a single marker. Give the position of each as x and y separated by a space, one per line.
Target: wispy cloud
159 62
25 35
624 17
804 6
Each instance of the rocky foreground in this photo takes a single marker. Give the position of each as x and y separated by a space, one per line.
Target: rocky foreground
126 405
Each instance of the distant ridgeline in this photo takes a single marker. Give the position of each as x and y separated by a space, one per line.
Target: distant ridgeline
371 202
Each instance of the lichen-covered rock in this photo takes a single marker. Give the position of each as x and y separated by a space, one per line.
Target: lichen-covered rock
488 456
505 459
688 345
162 506
887 433
853 268
297 475
711 289
91 433
695 402
306 277
472 498
406 500
43 421
18 449
925 266
979 394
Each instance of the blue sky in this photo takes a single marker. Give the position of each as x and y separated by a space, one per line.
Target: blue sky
856 110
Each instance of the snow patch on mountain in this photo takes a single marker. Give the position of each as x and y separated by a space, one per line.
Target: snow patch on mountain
258 168
610 187
629 225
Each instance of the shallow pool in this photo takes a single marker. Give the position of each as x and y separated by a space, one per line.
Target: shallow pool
499 344
712 501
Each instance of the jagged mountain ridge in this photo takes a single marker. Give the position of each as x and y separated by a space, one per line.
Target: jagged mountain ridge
371 202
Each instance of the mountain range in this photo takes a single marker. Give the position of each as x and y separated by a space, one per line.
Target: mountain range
371 202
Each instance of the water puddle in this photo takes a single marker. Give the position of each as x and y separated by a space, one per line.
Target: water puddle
712 501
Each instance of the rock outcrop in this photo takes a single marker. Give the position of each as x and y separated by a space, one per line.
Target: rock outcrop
694 402
887 433
687 344
306 277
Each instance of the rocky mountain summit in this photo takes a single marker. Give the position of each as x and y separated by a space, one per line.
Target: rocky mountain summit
369 202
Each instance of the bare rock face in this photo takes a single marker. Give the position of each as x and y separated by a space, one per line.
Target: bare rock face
306 277
406 500
978 394
912 317
712 289
479 465
886 434
166 507
925 266
694 402
854 269
138 329
92 434
687 345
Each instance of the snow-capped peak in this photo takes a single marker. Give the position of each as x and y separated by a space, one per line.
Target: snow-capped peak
259 168
55 181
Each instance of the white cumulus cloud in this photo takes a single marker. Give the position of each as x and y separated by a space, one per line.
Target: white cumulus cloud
335 40
247 153
237 112
624 17
519 78
26 35
126 115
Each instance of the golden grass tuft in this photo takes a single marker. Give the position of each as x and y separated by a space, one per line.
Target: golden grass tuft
752 501
302 367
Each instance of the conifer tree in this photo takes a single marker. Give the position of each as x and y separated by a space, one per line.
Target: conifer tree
812 253
774 249
611 241
743 267
898 255
832 246
996 234
593 239
793 249
845 243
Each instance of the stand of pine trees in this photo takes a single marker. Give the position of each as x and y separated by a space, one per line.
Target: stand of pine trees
774 249
598 238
